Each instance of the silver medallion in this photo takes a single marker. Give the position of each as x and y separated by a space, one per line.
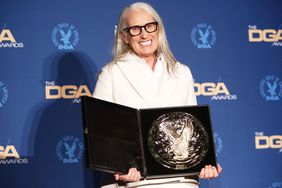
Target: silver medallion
178 140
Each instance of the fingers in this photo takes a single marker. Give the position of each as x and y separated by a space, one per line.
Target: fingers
132 175
215 173
209 172
219 168
116 176
202 173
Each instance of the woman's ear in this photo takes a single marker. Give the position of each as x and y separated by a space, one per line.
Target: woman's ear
124 38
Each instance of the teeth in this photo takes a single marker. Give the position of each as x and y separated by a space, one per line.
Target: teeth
145 43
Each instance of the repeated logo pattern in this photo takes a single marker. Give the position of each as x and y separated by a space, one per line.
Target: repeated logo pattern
4 94
203 36
70 150
271 88
65 36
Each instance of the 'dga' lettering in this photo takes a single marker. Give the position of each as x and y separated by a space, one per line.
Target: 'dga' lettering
9 151
264 142
266 35
66 92
210 89
6 35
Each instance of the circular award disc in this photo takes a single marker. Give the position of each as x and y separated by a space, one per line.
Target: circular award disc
178 140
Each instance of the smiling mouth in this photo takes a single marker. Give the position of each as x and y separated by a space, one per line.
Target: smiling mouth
145 43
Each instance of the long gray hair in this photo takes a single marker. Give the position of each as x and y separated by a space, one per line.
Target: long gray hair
120 48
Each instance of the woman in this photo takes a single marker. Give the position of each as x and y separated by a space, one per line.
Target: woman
145 74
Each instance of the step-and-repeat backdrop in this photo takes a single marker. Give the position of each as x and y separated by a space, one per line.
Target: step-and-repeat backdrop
50 55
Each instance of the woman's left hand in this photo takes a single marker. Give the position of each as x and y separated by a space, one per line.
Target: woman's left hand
133 175
210 172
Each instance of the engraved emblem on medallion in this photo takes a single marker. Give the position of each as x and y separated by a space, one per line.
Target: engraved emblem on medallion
178 140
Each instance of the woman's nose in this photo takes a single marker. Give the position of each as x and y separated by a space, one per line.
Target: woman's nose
144 33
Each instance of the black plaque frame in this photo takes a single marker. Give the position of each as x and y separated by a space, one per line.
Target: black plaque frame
116 138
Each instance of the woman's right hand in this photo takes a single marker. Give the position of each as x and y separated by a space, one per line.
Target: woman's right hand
132 175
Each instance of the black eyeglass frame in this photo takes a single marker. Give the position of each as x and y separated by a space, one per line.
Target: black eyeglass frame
143 26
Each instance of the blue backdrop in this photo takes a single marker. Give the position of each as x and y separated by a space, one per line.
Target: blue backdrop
51 52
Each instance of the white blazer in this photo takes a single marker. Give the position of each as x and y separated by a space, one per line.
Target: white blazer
124 83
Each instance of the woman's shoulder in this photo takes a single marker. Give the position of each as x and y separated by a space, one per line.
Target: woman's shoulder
117 60
111 67
108 67
182 68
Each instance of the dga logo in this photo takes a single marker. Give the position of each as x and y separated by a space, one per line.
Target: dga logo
65 36
9 155
266 142
276 185
265 35
7 40
203 36
271 88
218 143
53 91
70 150
3 94
217 91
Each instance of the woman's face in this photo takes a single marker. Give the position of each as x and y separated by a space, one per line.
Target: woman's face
145 44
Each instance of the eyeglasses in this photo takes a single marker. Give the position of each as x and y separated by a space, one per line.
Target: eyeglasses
136 30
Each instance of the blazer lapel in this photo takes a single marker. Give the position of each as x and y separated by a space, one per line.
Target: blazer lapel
138 81
167 88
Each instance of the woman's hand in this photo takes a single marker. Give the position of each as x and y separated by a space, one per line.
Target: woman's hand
210 171
132 175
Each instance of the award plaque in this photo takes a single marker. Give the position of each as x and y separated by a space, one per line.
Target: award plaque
159 142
